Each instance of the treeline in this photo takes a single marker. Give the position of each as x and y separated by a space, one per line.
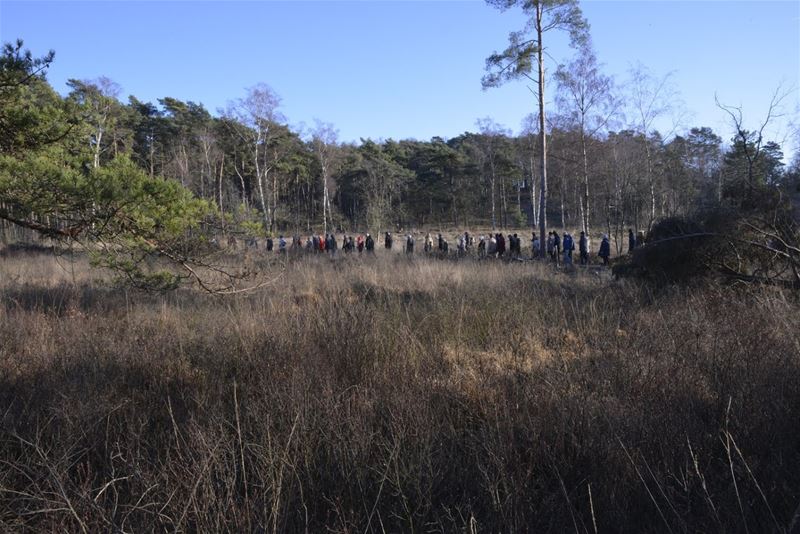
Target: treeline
265 176
261 171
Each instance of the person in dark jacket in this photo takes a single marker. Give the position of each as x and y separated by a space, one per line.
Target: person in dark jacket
409 244
556 246
370 244
631 241
605 249
583 247
270 244
387 241
501 245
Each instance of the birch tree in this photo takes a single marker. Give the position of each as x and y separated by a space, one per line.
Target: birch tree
100 109
258 111
323 142
585 99
492 135
651 98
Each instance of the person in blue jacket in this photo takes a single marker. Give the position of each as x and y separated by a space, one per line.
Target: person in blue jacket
569 246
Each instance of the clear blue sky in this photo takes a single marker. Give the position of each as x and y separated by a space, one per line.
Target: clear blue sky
405 69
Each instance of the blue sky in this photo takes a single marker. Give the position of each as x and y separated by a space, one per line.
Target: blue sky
408 69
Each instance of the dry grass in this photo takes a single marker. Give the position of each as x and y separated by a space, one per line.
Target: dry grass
382 394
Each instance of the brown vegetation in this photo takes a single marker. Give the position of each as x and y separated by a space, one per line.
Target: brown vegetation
397 395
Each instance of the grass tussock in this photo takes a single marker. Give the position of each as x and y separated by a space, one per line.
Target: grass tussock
401 396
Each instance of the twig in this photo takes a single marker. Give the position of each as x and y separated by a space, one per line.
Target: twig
652 497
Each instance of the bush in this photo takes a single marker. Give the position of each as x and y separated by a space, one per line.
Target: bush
676 250
720 243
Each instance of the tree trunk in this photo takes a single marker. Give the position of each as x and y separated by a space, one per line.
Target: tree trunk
264 206
452 184
561 199
650 181
504 201
533 189
152 156
542 135
221 208
98 140
585 200
492 186
274 211
325 200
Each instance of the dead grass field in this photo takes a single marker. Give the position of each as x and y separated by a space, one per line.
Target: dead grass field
382 394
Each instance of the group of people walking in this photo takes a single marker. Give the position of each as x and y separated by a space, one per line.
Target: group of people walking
559 249
324 243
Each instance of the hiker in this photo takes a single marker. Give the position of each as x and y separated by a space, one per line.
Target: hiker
281 245
631 241
331 245
270 244
462 246
517 248
370 244
409 244
492 249
360 243
440 243
468 241
605 249
556 246
445 247
387 241
569 246
501 245
640 240
482 247
428 243
583 248
536 246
